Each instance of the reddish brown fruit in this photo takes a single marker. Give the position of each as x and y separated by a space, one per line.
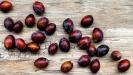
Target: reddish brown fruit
53 48
84 42
38 8
30 20
87 21
9 42
18 27
21 45
42 23
97 35
33 47
95 65
84 61
116 55
66 66
38 37
41 62
50 29
124 65
92 50
6 6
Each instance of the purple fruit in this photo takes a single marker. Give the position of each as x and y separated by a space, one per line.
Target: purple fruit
64 45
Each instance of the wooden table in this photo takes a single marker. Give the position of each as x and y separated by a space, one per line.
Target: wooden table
114 17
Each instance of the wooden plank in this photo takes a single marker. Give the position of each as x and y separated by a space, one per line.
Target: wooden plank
113 16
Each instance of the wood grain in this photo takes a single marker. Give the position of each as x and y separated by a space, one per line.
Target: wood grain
114 17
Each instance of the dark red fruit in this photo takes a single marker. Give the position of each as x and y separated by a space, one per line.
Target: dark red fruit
64 45
38 8
53 48
21 45
9 23
6 6
124 65
33 47
87 21
68 25
75 36
18 27
50 29
42 23
116 55
84 61
41 62
84 42
66 66
97 35
102 50
30 20
92 50
95 65
38 37
9 42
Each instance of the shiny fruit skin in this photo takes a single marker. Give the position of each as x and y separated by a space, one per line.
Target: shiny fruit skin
92 50
9 23
75 36
84 61
9 42
21 45
42 23
102 50
6 6
30 20
41 62
68 25
84 42
38 8
97 35
64 45
66 66
33 47
87 21
18 27
38 37
123 65
116 55
53 48
50 29
95 66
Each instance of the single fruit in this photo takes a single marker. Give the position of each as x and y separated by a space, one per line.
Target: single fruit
68 25
42 23
50 29
84 42
21 45
123 65
9 23
92 50
41 62
6 6
95 65
38 37
30 20
64 45
87 21
75 36
53 48
84 61
66 66
18 27
38 8
102 50
9 42
116 55
33 47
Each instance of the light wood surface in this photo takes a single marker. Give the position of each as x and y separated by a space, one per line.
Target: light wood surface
114 17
